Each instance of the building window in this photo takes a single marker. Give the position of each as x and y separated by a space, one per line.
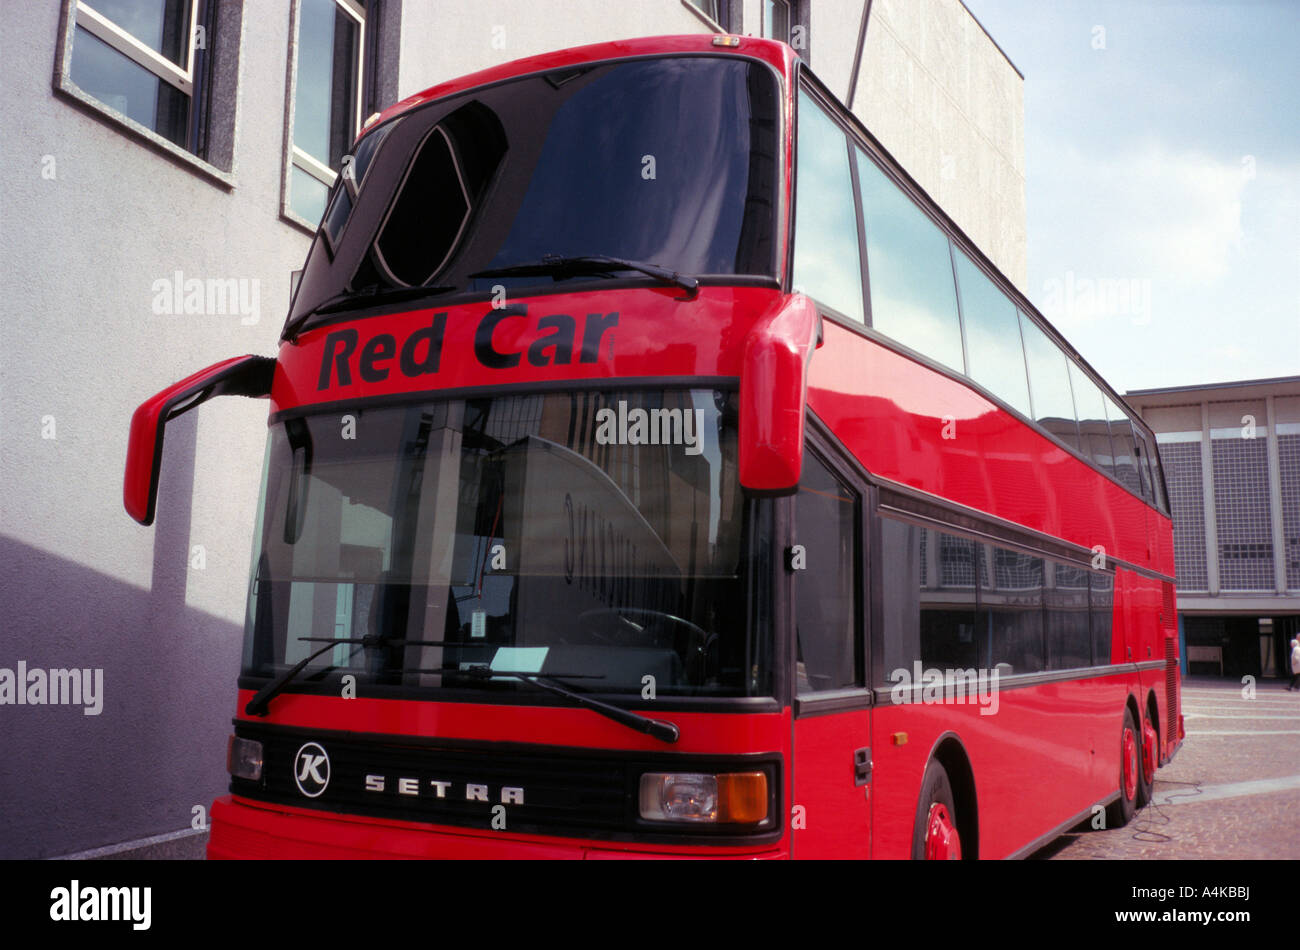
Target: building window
776 20
161 68
719 11
1242 510
787 21
1288 445
1180 453
325 114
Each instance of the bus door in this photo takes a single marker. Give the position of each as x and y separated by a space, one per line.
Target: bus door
831 758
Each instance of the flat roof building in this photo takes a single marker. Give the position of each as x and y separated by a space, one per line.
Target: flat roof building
1231 454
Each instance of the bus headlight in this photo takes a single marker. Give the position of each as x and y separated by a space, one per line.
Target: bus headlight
728 797
244 758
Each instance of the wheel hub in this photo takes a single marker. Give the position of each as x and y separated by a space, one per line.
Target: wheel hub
1130 765
1150 742
942 843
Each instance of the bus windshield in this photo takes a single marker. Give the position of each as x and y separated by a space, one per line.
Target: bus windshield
600 535
665 161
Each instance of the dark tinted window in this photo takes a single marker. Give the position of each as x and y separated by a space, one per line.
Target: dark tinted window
1143 464
1011 603
826 518
514 530
431 210
1121 440
366 150
1094 429
949 632
1049 383
670 161
900 567
1065 613
1151 465
1102 607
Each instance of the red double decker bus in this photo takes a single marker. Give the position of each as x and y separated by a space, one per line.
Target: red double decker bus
654 469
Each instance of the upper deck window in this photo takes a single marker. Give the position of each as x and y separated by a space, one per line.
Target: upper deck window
826 255
670 161
993 345
913 298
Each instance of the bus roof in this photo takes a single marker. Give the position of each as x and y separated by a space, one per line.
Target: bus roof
774 53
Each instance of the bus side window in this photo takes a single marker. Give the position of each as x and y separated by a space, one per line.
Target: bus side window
927 602
900 588
1057 408
950 632
1101 599
1121 438
827 264
1065 610
825 572
913 296
1011 604
1094 430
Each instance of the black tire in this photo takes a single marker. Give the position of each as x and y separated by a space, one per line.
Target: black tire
1120 812
1146 782
936 789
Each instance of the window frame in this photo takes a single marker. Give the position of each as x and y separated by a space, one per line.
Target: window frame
828 109
765 28
103 28
985 537
294 155
728 18
211 75
822 445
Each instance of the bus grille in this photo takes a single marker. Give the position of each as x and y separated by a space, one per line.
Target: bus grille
542 790
1171 691
1168 614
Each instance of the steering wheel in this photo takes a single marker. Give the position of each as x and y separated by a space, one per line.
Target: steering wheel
694 654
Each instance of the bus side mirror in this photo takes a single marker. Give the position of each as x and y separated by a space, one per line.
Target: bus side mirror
239 376
774 393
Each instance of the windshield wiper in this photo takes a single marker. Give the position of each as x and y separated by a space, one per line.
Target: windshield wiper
664 731
367 298
554 264
257 706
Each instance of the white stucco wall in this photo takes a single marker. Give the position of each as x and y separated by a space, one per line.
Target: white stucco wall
940 95
81 584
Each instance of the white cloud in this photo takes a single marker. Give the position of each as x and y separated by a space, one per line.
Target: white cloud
1158 213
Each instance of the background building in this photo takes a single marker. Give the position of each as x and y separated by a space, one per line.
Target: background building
1231 455
166 163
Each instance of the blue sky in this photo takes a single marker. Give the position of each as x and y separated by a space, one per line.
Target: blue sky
1162 152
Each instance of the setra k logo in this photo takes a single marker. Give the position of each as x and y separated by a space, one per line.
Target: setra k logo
311 769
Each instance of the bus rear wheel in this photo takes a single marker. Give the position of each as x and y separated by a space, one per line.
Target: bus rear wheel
935 836
1149 755
1121 811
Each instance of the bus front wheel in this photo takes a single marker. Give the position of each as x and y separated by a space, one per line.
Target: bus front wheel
935 836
